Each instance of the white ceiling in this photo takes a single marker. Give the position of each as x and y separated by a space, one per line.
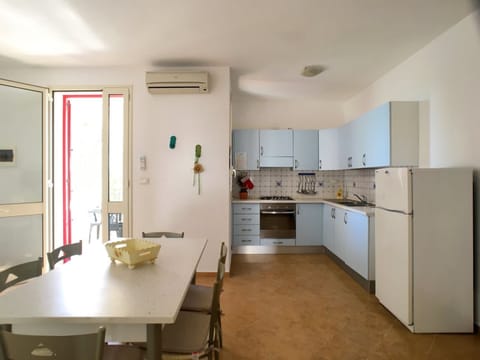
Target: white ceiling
266 42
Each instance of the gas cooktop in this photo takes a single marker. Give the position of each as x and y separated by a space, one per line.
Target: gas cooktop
275 198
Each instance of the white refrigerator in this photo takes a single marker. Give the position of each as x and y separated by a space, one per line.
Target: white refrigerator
424 247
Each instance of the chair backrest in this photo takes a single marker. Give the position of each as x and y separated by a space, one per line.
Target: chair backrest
158 234
64 347
64 252
95 216
20 272
221 264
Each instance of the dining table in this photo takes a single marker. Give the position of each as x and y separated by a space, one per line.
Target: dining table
91 290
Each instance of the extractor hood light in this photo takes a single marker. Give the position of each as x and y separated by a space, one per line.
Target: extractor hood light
313 70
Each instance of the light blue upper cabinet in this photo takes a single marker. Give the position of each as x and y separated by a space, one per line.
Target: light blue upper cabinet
374 145
245 146
385 136
276 148
345 147
328 149
404 133
305 149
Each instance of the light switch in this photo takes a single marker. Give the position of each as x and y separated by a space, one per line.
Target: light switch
143 162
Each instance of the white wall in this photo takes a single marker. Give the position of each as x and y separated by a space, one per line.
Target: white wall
169 201
251 111
446 74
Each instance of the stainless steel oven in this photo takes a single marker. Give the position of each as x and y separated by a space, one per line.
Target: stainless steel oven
277 221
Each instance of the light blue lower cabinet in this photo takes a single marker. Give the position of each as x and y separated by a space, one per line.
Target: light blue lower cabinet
246 224
242 240
329 227
277 242
350 237
246 229
309 224
245 219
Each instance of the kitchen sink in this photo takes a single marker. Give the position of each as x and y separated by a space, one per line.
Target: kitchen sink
348 202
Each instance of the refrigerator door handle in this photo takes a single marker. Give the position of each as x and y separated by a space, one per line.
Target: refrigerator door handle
394 211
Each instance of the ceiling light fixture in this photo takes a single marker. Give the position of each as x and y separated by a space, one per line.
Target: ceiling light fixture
313 70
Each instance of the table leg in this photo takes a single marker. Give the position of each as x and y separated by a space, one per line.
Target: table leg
154 341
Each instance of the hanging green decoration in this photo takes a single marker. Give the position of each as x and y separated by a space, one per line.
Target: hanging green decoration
197 167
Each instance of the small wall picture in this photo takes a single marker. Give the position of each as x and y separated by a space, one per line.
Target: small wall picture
7 156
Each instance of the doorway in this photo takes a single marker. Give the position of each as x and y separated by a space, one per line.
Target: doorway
91 167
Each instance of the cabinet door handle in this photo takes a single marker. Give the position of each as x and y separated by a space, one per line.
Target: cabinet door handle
296 164
258 164
333 213
278 242
364 159
246 230
345 219
349 162
246 241
246 219
319 164
261 150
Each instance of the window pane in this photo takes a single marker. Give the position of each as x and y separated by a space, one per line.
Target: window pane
21 113
115 226
20 239
115 148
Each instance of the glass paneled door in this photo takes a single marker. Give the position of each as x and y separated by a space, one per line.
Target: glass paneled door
91 169
23 155
116 158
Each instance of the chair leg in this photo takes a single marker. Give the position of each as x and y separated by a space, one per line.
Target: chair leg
220 340
216 349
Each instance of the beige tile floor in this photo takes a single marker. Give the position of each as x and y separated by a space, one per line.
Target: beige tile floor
306 307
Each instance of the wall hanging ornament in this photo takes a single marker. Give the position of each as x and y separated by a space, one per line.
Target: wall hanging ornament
173 142
197 167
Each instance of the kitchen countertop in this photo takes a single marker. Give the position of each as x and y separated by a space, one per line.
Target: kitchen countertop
365 210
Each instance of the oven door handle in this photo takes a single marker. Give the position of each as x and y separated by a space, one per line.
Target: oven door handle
274 212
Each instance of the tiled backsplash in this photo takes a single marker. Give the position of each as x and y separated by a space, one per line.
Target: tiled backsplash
285 182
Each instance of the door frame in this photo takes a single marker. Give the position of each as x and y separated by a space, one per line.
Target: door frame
127 209
124 206
43 207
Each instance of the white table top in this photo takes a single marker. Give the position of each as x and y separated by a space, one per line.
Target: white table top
90 289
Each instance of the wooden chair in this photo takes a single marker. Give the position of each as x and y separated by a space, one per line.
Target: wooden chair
115 223
193 332
64 347
19 273
64 252
95 223
199 297
158 234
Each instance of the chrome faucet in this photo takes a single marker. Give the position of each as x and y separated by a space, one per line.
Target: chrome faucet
362 198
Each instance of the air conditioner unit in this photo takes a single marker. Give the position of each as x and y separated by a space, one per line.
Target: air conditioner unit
176 82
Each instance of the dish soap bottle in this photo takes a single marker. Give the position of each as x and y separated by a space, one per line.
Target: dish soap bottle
340 193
